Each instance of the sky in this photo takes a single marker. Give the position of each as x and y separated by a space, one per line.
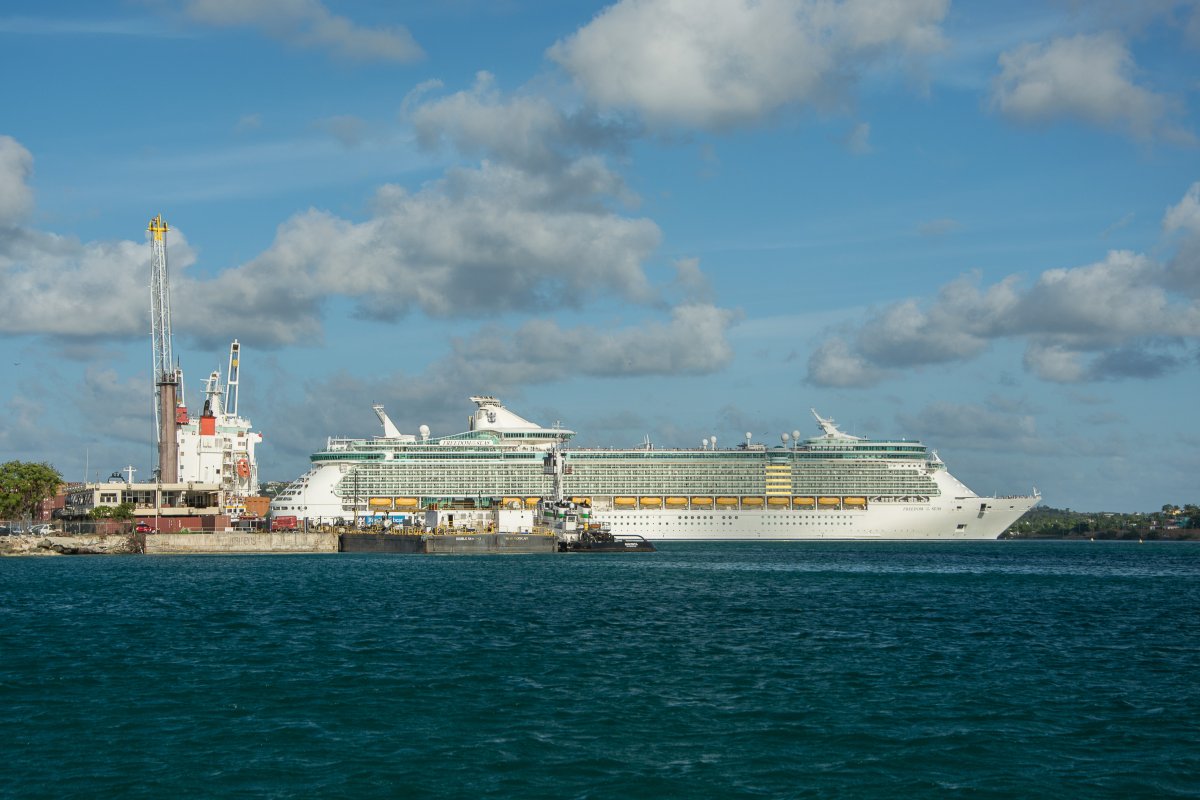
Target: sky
973 224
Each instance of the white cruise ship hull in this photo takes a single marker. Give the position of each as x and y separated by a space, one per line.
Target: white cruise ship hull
953 519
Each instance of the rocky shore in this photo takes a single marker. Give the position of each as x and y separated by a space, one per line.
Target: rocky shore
101 544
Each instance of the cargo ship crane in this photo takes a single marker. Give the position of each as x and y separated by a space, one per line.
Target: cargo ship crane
231 379
165 374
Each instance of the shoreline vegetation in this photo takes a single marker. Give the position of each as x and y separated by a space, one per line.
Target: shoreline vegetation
1172 523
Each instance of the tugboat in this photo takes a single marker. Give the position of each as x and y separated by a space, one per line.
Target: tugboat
571 522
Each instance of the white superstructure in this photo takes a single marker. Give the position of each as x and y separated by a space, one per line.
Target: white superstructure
217 447
832 486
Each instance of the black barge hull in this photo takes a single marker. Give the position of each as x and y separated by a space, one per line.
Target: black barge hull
446 544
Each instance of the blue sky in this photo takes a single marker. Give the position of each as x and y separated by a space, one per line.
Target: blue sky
976 224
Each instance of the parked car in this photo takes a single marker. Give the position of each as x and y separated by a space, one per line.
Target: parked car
44 529
145 527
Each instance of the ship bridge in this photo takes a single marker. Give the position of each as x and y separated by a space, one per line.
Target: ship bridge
490 415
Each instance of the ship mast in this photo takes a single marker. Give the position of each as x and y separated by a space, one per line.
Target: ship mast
165 375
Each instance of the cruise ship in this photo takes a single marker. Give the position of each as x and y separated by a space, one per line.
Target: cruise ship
829 486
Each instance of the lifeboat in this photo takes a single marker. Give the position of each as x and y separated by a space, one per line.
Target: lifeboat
243 468
624 502
581 501
751 502
380 502
651 502
778 502
727 502
531 502
829 502
857 502
406 502
701 501
677 502
802 502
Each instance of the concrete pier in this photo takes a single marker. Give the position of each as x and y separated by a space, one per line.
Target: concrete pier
240 542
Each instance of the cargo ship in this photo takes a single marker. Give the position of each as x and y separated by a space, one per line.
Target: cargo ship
829 486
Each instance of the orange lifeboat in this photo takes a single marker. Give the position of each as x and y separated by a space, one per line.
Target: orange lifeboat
777 502
829 502
727 502
243 468
677 502
802 502
698 502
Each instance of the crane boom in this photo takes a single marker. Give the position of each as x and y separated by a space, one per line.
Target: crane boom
231 379
160 300
165 375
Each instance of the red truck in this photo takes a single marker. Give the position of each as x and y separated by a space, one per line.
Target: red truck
284 524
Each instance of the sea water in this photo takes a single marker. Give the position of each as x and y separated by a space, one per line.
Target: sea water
998 669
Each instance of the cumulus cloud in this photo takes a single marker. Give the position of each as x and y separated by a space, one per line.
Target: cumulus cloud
535 225
1185 215
93 290
350 130
858 141
974 426
1085 77
16 167
308 24
724 63
1183 270
692 342
691 281
85 290
524 130
118 407
1127 316
835 363
480 241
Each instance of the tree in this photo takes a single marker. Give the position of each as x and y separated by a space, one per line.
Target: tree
23 485
119 511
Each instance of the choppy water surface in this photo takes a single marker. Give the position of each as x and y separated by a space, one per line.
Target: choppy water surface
706 670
